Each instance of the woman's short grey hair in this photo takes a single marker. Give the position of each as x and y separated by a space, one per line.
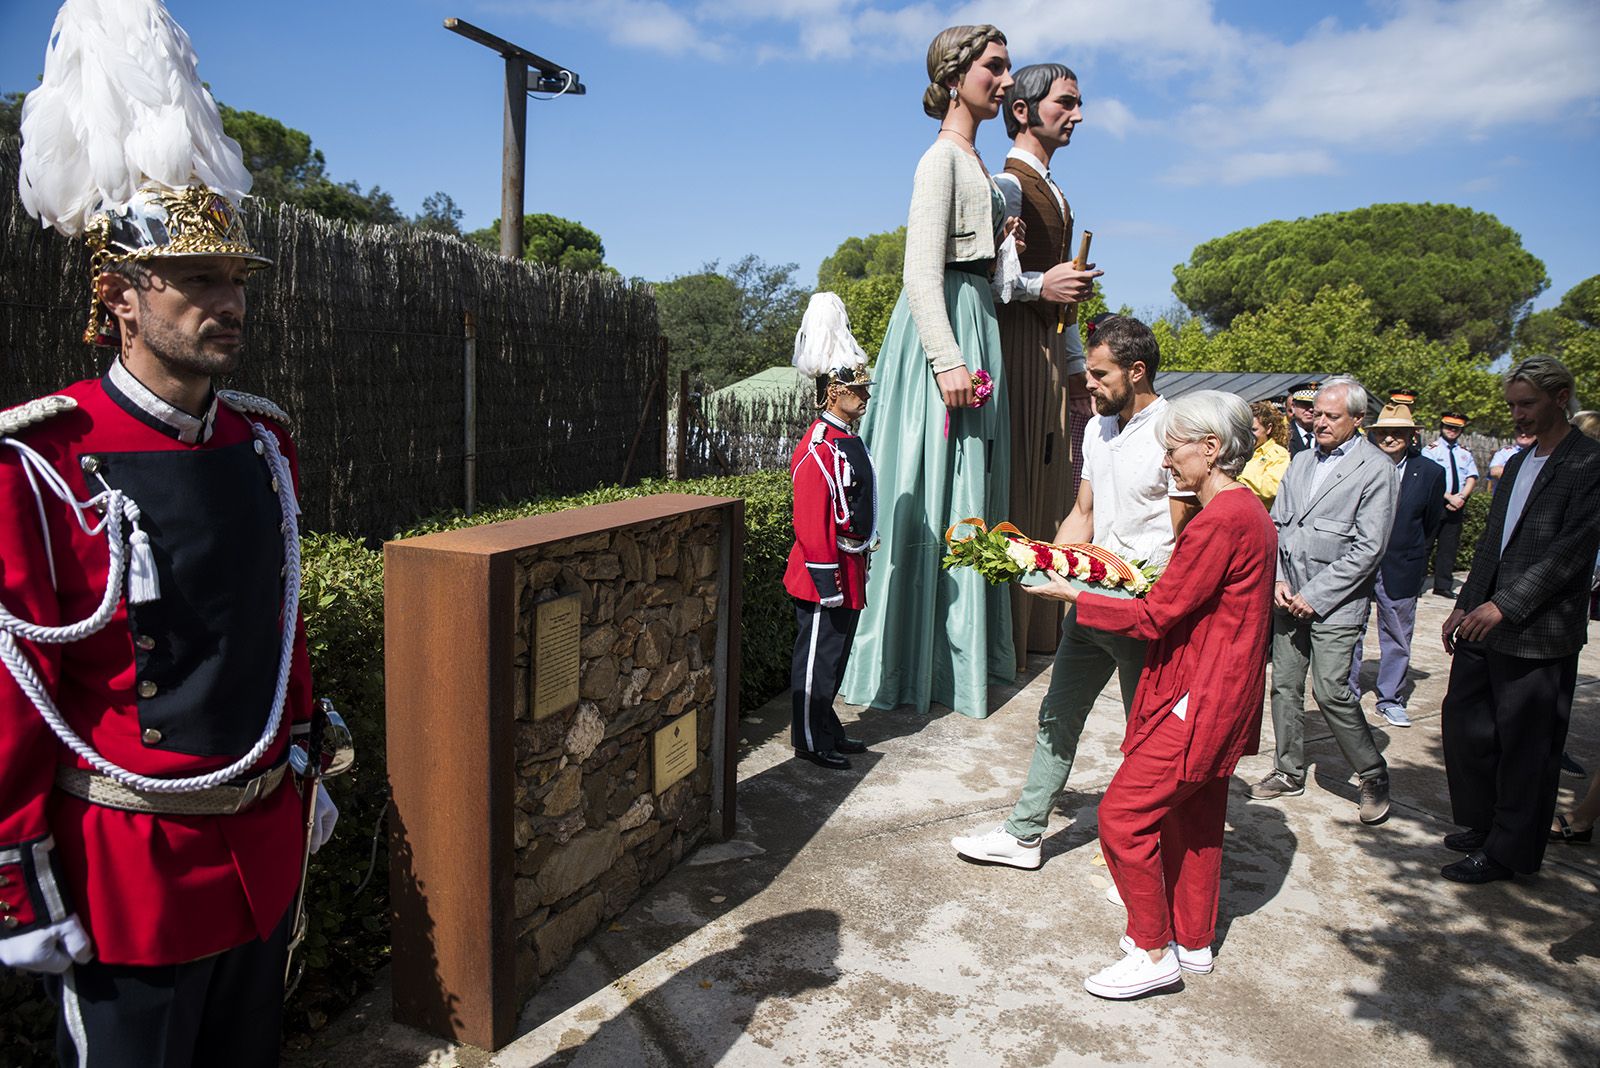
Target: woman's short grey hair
1548 375
1211 413
1355 394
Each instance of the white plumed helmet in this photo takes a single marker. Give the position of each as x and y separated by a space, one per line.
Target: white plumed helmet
825 350
123 145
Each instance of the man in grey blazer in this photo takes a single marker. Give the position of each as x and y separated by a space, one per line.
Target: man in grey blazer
1334 513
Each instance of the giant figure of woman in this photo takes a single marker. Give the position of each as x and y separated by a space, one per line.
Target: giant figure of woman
929 635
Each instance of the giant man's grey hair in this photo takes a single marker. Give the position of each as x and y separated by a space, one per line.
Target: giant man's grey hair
1032 84
1355 395
1210 413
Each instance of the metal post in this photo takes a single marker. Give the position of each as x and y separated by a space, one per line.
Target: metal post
682 472
515 158
666 393
469 374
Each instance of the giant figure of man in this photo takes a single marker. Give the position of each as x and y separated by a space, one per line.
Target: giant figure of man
1038 331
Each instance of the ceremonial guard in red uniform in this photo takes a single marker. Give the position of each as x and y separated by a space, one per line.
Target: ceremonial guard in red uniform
151 834
835 530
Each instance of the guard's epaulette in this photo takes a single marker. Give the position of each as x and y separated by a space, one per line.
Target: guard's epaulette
35 411
250 404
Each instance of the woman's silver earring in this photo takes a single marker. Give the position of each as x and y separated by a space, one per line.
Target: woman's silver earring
952 92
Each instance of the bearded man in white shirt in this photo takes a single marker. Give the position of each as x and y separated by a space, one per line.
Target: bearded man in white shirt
1126 504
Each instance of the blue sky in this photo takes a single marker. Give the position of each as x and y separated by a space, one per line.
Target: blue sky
781 127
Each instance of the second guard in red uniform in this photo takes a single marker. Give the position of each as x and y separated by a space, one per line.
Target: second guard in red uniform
835 530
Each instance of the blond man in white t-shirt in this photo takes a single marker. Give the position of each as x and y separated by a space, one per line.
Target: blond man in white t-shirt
1126 504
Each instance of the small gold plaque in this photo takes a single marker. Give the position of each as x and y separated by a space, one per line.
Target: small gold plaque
676 753
556 661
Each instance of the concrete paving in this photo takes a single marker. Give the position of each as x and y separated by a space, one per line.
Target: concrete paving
840 929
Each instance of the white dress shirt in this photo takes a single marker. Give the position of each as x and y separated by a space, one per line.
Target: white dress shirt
1132 516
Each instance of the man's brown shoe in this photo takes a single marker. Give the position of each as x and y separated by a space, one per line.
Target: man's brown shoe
1375 799
1278 784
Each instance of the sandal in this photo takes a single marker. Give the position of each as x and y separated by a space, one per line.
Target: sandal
1571 837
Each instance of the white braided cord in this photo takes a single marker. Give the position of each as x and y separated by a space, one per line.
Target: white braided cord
116 503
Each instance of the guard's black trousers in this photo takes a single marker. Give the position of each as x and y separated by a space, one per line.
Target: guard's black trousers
1448 541
1504 721
821 649
225 1009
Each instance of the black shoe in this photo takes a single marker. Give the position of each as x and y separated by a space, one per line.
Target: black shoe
1565 833
1476 868
849 745
828 759
1466 841
1570 766
1444 593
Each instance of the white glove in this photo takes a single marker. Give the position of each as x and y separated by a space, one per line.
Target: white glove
49 949
323 819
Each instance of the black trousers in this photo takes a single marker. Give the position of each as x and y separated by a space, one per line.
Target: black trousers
821 649
1504 723
225 1009
1444 559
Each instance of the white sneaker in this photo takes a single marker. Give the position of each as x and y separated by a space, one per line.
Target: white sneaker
1114 895
998 847
1133 975
1190 960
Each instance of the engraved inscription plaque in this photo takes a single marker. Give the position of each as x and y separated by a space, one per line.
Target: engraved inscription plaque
556 636
676 754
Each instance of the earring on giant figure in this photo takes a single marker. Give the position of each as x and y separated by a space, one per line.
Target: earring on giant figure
953 93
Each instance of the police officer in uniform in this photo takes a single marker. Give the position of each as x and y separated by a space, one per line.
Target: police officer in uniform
835 530
151 833
1302 399
1460 479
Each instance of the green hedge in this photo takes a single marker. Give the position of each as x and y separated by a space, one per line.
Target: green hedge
343 603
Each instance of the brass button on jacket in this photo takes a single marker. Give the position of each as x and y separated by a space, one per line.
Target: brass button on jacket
151 736
147 688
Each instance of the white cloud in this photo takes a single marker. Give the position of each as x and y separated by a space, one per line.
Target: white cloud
1415 73
651 25
1487 184
1111 115
1433 72
1241 168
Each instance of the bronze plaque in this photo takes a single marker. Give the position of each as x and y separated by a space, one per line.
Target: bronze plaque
556 662
676 753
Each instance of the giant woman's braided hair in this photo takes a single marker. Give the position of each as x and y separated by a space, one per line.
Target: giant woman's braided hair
949 56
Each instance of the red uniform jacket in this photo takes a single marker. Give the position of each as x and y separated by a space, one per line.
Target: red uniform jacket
1208 619
152 691
835 516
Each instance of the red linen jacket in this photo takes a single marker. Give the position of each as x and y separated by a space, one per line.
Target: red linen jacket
1208 619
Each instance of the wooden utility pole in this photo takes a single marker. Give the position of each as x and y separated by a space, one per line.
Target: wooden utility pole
526 73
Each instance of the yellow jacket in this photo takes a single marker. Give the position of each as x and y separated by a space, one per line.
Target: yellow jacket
1265 470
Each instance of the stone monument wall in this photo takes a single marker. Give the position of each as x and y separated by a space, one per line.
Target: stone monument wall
589 830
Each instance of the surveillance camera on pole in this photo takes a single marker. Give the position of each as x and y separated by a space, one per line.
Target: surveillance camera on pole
526 73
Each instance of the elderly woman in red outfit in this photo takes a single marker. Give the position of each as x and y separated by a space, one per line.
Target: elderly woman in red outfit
1208 620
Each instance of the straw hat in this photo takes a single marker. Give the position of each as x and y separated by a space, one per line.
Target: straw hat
1395 415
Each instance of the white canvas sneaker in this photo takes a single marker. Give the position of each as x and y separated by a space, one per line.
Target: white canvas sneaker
998 847
1133 975
1190 960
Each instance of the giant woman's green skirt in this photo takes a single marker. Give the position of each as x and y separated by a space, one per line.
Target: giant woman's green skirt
928 634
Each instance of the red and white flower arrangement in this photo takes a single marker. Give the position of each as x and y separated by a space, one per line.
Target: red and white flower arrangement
1005 554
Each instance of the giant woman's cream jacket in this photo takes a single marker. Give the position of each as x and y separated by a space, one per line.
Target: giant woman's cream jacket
951 221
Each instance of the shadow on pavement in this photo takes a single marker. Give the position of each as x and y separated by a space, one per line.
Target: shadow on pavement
764 964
